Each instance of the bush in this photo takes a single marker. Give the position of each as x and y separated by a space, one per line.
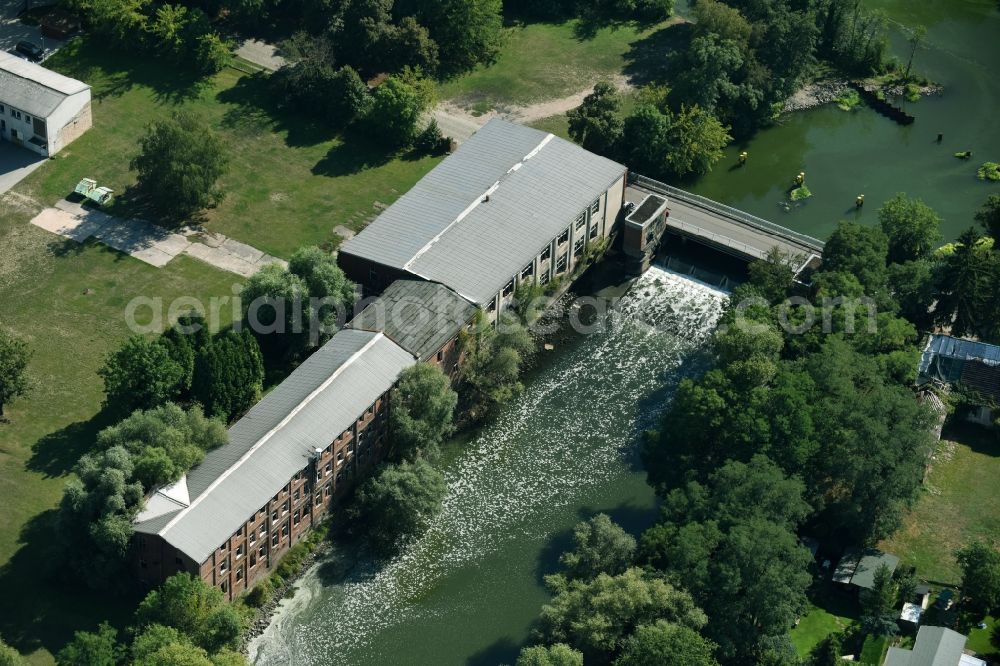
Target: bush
989 171
800 193
260 594
431 141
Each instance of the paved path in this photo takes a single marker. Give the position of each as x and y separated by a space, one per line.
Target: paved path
150 243
261 53
15 164
460 124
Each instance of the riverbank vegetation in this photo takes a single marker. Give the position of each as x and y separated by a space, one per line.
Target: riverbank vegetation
800 429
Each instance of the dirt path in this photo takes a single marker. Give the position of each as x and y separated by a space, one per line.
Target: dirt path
460 123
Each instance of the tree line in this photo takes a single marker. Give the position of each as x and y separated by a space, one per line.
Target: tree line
795 431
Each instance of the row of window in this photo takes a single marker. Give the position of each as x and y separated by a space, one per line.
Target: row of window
14 113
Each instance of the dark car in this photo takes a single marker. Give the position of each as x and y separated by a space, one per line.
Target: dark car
33 51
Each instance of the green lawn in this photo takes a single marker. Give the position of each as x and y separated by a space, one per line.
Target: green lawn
874 649
979 639
829 613
542 61
291 181
960 503
67 301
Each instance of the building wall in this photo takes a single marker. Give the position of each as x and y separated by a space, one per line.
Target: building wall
69 122
371 276
255 549
71 119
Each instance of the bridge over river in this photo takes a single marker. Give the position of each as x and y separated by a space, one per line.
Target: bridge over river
708 222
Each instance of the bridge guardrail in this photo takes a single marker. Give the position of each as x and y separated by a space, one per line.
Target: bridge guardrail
733 213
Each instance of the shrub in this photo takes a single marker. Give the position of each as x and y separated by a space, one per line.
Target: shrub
260 594
989 171
799 193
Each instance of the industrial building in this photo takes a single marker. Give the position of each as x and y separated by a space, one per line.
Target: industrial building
232 517
39 109
513 204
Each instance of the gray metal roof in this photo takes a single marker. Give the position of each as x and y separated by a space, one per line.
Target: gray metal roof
935 646
269 445
32 88
487 210
418 316
871 560
958 348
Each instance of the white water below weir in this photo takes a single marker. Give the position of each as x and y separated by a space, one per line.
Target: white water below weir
467 591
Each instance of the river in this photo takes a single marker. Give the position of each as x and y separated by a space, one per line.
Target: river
468 591
860 152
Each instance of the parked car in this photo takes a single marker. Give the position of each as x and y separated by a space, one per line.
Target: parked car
32 51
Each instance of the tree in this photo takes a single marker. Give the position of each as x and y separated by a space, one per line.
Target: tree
14 357
600 546
665 644
326 282
915 37
140 375
313 87
468 32
176 654
98 648
966 297
95 516
493 358
989 216
228 375
878 604
860 251
773 275
911 227
980 564
152 638
179 164
559 654
422 409
193 608
276 308
665 143
828 652
597 124
914 285
595 616
9 656
395 112
165 442
399 502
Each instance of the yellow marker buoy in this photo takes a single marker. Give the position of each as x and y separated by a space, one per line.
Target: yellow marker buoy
860 201
801 178
743 157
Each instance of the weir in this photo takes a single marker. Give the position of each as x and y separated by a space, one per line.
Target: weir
656 211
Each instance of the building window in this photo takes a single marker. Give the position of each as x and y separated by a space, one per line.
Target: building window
239 551
319 498
262 551
508 288
580 221
546 253
563 237
274 516
340 458
297 495
284 507
263 529
224 567
577 247
253 537
225 586
528 271
492 306
239 574
594 230
284 530
295 517
2 108
253 560
328 489
543 279
27 118
594 207
179 562
329 468
561 263
274 538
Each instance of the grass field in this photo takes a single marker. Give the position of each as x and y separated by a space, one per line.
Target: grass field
67 301
828 613
291 181
290 184
961 503
542 61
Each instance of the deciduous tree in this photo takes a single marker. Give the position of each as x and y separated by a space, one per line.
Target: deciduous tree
97 648
665 644
399 502
911 227
559 654
422 410
14 357
980 564
599 546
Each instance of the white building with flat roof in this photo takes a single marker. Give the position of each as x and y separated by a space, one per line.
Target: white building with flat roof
39 109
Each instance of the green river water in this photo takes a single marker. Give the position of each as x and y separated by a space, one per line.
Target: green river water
468 591
860 152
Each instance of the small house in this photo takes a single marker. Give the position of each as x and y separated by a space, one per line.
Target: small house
968 364
934 646
39 109
857 568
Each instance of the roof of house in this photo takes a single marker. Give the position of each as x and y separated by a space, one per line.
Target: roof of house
871 560
319 400
32 88
973 364
934 646
421 317
487 210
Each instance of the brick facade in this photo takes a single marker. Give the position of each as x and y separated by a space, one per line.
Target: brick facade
253 551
